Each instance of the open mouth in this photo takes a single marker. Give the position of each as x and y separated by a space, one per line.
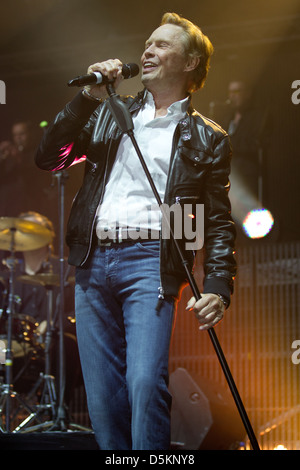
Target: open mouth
148 66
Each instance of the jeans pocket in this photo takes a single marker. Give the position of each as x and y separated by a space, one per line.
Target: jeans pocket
149 246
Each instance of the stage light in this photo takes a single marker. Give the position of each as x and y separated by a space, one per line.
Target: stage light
43 124
258 223
248 210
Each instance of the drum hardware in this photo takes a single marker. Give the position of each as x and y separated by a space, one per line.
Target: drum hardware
62 418
16 234
44 279
27 235
48 400
3 296
59 415
25 334
7 392
30 236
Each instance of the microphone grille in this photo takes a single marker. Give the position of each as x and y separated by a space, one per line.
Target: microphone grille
130 70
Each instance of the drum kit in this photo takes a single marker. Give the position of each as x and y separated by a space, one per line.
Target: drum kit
21 336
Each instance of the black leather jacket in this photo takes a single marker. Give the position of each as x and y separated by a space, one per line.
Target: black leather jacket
198 173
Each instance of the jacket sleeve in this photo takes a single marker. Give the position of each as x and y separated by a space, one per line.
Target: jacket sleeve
219 229
66 139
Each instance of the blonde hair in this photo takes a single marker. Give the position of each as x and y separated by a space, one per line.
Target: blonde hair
196 44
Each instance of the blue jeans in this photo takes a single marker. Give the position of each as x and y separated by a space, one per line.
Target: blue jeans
124 346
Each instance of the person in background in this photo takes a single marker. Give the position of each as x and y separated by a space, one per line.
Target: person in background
249 126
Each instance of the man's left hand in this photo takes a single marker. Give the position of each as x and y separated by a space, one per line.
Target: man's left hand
209 310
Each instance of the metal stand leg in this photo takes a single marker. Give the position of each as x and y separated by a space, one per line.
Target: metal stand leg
7 392
48 399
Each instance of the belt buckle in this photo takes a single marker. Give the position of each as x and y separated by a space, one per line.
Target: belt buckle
104 242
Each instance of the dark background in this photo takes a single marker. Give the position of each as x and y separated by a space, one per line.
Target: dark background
45 43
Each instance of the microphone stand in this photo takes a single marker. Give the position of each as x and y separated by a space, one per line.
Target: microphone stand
61 416
61 412
123 118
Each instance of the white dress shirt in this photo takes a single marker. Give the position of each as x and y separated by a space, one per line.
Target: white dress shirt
128 198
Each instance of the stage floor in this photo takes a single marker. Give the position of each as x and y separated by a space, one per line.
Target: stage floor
70 440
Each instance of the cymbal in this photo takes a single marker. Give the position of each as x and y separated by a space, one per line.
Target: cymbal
27 235
43 279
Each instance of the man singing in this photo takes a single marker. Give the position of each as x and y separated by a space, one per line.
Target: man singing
127 284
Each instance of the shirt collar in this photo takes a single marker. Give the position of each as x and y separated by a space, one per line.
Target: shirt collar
175 110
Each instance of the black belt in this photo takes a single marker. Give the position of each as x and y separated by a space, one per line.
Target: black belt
124 234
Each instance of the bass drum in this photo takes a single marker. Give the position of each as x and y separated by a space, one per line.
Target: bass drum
28 345
26 348
25 335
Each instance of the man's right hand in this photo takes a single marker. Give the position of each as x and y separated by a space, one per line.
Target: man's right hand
112 69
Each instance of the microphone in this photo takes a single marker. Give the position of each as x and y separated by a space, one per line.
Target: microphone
128 71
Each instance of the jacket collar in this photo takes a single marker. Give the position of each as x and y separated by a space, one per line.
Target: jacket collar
184 124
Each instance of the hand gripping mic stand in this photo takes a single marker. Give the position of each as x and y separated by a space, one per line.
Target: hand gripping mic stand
124 121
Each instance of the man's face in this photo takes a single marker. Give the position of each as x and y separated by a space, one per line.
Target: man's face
164 61
237 94
21 136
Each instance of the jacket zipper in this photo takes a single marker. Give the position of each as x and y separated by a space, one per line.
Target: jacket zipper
93 164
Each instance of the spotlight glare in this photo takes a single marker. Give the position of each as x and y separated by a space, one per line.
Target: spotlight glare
258 223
